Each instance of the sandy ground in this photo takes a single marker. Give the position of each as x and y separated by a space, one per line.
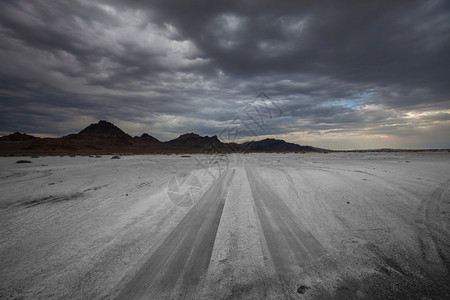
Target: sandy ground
254 226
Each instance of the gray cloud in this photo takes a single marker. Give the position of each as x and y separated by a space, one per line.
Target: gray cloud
166 67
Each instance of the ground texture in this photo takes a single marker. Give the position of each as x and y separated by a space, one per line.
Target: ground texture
254 226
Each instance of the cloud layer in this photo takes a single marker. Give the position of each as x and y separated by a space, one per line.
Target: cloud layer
345 74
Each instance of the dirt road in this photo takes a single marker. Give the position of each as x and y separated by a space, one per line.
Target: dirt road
176 267
289 242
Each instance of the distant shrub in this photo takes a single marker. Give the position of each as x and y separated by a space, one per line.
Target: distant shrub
115 157
23 162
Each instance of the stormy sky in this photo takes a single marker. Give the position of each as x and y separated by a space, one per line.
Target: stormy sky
341 74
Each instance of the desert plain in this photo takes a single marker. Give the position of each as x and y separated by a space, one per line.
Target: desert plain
338 225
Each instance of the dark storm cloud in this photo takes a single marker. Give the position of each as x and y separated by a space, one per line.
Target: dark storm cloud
359 41
169 66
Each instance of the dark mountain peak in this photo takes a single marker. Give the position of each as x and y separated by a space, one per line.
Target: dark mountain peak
272 141
185 137
195 140
268 141
189 135
103 129
17 136
271 144
148 138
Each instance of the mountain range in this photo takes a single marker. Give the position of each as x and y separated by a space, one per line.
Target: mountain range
104 137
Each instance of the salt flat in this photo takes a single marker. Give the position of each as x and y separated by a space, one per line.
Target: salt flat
313 225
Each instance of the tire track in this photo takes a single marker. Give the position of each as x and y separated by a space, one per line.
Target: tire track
288 241
429 220
402 210
184 256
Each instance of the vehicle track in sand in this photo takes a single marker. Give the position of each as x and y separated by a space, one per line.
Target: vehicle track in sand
288 241
182 259
433 235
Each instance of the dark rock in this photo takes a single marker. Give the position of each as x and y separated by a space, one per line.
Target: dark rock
23 162
302 289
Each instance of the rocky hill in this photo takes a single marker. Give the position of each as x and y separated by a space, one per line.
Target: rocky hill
103 129
276 145
147 138
105 137
17 137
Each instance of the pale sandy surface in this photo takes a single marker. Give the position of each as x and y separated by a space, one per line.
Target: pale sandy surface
337 225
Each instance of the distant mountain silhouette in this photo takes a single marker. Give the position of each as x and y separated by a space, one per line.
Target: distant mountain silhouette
96 137
105 137
17 137
147 138
193 139
104 129
276 145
